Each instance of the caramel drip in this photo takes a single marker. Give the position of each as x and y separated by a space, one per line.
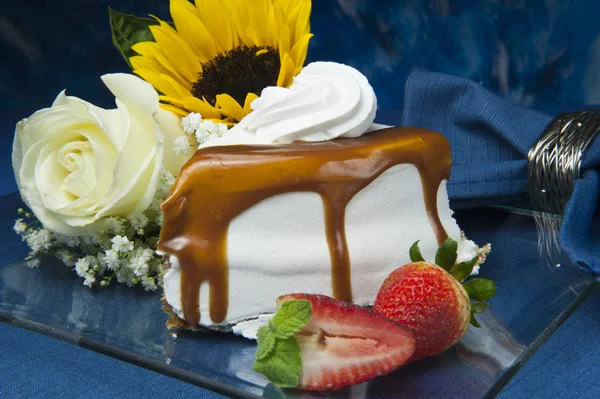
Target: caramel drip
219 183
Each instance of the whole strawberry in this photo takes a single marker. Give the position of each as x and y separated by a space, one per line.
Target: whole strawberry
430 300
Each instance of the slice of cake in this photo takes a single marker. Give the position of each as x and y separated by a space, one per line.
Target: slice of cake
245 224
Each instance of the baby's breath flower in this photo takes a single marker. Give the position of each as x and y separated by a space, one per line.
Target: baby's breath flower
160 218
91 239
111 260
149 283
125 276
166 178
20 227
139 222
89 280
39 240
116 225
182 145
121 244
71 242
66 257
191 122
140 259
84 267
125 250
220 129
209 129
33 263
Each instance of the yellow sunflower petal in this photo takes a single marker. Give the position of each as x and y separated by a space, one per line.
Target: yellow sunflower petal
284 32
174 109
192 30
229 5
203 108
248 103
177 51
299 20
239 19
165 84
173 63
153 56
300 49
287 5
179 89
218 21
272 27
176 101
286 73
256 16
230 107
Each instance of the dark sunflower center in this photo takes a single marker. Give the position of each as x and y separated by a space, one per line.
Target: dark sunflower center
238 72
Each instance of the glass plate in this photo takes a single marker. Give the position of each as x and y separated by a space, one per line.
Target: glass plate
532 300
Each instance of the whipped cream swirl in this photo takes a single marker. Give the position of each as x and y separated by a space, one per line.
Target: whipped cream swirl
327 100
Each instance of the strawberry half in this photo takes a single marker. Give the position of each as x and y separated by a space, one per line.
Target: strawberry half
344 344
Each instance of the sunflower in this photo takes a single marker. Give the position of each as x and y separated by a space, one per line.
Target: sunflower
220 54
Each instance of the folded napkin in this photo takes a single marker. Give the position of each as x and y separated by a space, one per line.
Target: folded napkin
490 139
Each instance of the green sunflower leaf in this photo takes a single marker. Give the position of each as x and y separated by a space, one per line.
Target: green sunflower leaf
446 254
128 30
283 365
480 289
464 269
415 253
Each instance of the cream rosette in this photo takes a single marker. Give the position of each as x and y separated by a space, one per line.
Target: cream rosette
77 164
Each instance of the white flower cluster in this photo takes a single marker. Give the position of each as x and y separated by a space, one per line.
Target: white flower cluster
125 251
198 132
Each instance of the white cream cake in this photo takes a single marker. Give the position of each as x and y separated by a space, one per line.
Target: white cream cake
305 195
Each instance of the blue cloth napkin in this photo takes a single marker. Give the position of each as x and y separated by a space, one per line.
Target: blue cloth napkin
490 139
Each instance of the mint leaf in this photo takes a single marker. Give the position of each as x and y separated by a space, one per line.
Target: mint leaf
283 365
290 318
446 254
128 30
266 342
480 289
415 253
464 269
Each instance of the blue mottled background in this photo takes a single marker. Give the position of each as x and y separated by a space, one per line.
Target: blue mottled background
541 53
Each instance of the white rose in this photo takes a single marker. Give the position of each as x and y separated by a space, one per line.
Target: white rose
77 164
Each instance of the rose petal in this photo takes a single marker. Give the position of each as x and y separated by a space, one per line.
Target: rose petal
170 125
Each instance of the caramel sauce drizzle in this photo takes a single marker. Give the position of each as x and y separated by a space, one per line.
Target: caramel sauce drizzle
219 183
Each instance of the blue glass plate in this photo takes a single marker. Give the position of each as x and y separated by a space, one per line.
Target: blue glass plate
532 300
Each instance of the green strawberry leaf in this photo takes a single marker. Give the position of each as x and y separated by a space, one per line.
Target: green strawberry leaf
446 254
480 289
266 342
415 253
128 30
283 365
474 321
479 307
290 318
464 269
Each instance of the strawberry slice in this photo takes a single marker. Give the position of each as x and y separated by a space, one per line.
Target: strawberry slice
343 344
